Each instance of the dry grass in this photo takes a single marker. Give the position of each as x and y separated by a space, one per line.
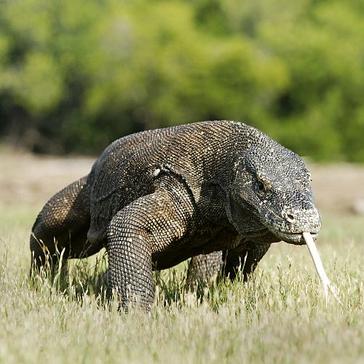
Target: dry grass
280 316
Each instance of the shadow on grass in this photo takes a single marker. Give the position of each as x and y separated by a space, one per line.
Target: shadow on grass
75 279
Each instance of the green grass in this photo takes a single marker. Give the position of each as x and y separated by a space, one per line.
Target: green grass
279 316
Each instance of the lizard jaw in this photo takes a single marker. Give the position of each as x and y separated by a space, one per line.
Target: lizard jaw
294 238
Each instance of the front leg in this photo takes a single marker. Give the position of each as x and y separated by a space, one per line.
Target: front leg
245 259
202 268
147 226
254 255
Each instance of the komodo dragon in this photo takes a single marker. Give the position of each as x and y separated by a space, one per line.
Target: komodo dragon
158 197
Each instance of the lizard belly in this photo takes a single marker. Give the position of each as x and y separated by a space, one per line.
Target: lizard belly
199 243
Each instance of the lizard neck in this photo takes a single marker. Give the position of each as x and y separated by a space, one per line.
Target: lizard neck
223 150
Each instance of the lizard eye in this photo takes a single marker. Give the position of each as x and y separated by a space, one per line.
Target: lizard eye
260 186
263 185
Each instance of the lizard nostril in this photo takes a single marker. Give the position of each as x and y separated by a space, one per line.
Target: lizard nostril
290 218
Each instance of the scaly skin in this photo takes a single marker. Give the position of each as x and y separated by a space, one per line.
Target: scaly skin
63 223
156 198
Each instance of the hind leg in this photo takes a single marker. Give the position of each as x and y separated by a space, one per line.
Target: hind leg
61 227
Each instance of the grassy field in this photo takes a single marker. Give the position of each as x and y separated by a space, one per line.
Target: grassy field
279 316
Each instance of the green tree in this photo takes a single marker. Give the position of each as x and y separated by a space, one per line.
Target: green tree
75 75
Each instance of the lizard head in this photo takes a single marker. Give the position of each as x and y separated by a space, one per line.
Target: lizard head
271 194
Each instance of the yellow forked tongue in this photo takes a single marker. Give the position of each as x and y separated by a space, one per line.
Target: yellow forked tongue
326 284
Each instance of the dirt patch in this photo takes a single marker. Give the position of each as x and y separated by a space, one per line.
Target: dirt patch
29 179
338 187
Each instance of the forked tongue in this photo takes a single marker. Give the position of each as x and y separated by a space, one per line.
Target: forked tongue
325 281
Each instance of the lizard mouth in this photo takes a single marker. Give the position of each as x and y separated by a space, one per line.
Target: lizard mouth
294 238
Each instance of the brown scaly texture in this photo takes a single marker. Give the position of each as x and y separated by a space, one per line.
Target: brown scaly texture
158 197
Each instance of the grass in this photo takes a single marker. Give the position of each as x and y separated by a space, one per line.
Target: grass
280 316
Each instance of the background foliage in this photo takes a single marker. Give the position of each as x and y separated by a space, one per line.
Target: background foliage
75 75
